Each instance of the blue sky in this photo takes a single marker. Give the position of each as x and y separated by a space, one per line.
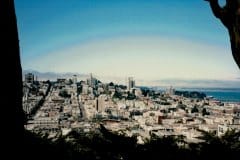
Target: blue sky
147 39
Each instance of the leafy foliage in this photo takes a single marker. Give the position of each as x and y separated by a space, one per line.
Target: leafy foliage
193 94
64 93
104 144
194 109
205 112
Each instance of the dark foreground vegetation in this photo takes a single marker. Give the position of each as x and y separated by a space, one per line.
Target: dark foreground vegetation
107 145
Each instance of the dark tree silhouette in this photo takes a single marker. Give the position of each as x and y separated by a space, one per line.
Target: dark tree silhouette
12 98
230 17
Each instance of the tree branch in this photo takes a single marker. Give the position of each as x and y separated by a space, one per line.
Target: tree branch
216 9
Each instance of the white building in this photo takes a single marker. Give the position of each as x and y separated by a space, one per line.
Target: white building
138 92
85 89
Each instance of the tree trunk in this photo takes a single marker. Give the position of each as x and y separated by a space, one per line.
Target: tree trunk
12 78
230 17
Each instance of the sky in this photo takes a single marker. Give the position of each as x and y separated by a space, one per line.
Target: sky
151 40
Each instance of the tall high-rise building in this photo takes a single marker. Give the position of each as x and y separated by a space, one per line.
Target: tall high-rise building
74 79
91 81
131 83
170 91
29 77
101 103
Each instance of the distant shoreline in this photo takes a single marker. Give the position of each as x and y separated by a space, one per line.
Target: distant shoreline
226 95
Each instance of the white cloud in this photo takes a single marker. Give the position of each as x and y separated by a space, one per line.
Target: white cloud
144 57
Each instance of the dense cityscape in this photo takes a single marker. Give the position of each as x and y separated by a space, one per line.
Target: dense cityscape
57 108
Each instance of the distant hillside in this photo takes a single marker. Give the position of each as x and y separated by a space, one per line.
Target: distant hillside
52 76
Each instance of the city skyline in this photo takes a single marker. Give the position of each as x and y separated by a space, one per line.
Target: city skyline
150 40
162 83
